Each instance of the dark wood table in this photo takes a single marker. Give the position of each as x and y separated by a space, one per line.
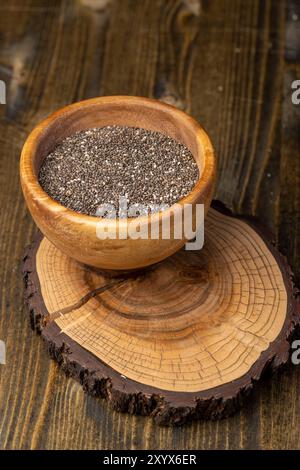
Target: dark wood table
229 63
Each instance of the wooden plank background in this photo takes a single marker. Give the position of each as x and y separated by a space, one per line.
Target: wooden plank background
229 63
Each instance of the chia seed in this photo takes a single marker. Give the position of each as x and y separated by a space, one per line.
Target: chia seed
97 166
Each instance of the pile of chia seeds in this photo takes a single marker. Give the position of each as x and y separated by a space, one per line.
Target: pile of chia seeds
97 166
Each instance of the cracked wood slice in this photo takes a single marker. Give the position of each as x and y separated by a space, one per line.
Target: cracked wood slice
184 339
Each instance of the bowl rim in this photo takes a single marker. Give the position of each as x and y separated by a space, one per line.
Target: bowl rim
30 180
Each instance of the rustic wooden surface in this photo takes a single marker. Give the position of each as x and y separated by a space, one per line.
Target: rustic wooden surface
230 64
181 341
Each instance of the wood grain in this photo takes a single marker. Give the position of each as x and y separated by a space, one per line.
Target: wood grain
187 339
229 317
226 62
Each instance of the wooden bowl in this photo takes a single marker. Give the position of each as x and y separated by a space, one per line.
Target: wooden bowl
75 234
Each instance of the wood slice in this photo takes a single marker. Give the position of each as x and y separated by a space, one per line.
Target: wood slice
184 339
